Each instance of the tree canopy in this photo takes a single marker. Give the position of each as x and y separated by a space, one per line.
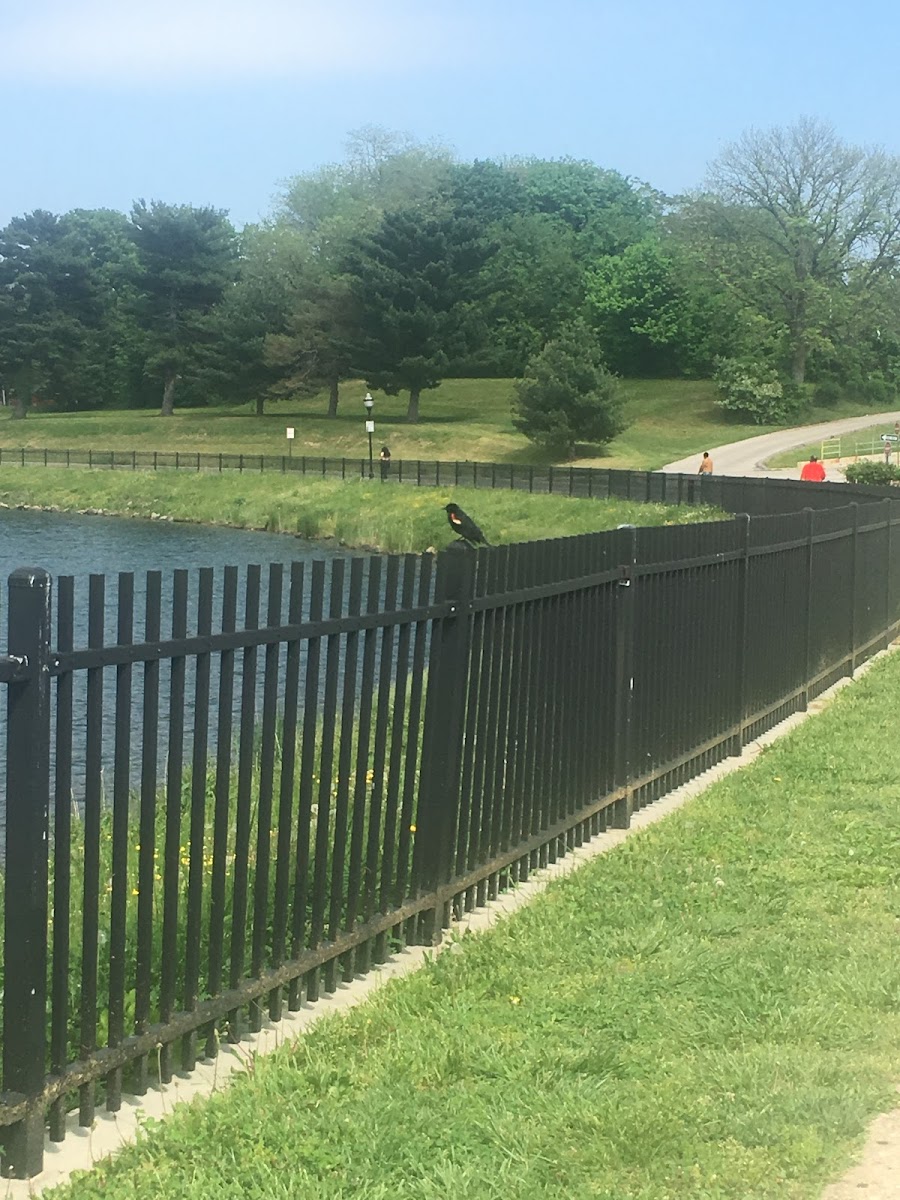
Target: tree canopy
402 265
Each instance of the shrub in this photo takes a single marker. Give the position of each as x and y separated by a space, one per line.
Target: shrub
568 395
873 472
828 393
753 391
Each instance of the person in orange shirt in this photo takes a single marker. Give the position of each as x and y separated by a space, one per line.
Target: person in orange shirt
813 470
706 464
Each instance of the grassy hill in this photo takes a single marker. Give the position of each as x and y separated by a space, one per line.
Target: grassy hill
462 419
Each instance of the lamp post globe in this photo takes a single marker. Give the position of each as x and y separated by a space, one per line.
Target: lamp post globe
370 428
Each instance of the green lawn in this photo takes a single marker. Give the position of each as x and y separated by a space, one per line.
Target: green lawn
710 1012
862 441
356 512
462 419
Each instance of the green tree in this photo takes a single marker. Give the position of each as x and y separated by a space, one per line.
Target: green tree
330 211
550 220
791 217
658 312
412 282
63 332
272 262
186 258
568 395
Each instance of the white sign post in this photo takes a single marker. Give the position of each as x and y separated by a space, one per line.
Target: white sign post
290 438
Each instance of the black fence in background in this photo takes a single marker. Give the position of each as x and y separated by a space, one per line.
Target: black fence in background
431 731
734 494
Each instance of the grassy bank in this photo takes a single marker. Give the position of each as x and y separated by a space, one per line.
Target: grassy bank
863 441
357 513
709 1011
462 419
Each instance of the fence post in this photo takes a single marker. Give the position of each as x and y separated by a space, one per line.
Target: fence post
442 733
741 626
25 931
854 573
624 677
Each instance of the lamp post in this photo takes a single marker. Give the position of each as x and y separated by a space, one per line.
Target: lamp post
370 427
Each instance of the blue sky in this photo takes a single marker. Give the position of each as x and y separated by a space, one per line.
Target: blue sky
218 101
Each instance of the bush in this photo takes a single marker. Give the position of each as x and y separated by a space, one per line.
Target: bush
568 395
828 393
753 391
873 472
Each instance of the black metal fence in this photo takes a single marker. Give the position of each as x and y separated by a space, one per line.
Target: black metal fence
430 731
734 494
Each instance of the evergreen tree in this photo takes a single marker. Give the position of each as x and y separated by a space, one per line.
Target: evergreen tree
568 395
412 284
186 259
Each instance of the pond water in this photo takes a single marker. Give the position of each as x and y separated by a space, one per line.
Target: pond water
69 544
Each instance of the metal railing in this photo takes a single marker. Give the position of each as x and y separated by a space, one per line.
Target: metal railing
430 730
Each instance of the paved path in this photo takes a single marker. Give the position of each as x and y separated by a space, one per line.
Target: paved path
747 457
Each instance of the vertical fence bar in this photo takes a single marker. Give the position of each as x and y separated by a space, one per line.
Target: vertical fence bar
328 713
119 880
413 741
854 584
625 601
244 806
398 724
266 791
93 799
360 788
886 560
197 825
344 766
62 854
307 771
808 601
741 633
147 843
224 727
171 962
379 750
286 786
27 868
442 734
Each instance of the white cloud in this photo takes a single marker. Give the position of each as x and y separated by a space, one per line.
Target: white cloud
114 42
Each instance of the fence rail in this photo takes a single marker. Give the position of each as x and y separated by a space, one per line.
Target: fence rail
371 748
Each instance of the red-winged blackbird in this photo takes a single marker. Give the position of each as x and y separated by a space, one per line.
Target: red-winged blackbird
463 524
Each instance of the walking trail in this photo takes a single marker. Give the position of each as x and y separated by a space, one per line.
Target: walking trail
876 1176
749 457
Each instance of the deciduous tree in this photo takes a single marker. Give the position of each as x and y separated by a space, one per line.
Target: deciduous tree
791 216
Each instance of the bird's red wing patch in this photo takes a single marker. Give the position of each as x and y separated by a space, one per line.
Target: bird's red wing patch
455 519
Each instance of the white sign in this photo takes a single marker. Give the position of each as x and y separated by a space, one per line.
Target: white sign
370 426
290 433
890 437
